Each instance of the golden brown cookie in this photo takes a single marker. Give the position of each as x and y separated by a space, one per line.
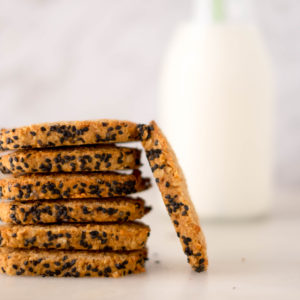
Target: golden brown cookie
70 159
67 134
71 263
106 237
171 182
74 185
73 210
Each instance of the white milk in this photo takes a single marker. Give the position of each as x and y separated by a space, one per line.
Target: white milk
216 109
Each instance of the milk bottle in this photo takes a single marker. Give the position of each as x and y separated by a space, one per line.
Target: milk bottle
216 107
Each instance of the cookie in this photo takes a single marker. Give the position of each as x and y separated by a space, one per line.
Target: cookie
106 237
71 263
56 185
171 182
70 159
74 210
68 133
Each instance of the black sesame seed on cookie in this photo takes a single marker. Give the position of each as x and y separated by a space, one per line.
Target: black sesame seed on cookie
71 263
73 211
74 133
131 236
70 159
171 182
87 185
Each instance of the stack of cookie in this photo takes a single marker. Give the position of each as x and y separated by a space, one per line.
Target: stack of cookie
68 212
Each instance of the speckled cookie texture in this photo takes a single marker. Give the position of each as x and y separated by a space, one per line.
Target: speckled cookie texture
73 210
71 263
70 159
68 134
59 185
106 237
172 185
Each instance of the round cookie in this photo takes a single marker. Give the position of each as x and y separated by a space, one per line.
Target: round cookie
67 134
71 263
74 185
73 210
171 182
70 159
105 237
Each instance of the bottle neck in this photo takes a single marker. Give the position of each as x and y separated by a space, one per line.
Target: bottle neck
222 11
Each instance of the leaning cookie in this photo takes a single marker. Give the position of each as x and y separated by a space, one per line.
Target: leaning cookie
70 159
67 134
73 210
71 263
173 188
56 185
106 237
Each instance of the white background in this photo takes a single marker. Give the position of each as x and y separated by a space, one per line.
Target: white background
72 59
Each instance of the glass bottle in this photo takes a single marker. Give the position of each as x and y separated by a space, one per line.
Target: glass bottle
216 107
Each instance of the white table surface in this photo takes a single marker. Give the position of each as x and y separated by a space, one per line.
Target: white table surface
248 260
